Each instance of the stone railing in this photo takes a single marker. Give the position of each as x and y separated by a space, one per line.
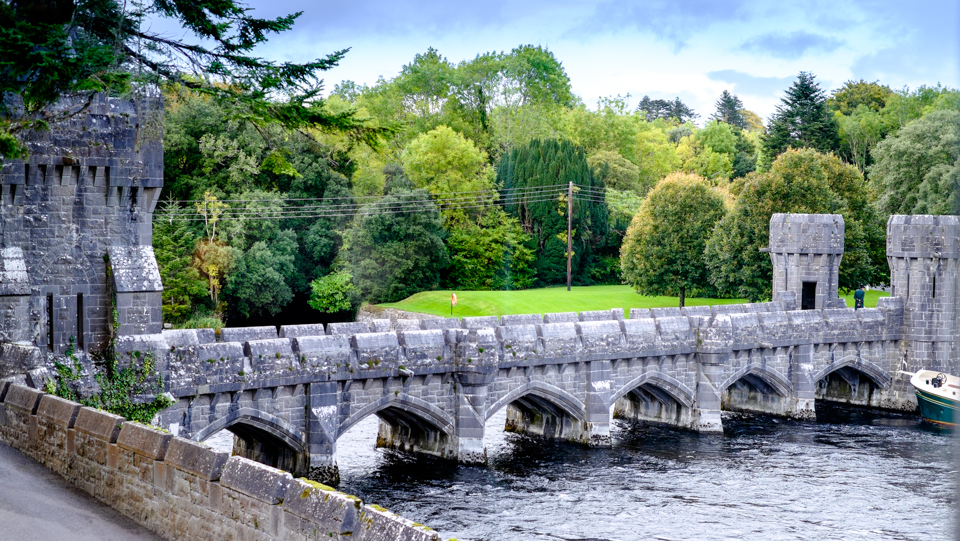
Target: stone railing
181 489
192 360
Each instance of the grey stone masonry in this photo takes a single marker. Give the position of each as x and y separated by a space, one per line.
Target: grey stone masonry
560 375
806 250
182 489
924 257
89 188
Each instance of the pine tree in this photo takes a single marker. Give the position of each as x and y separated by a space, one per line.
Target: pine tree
802 120
729 110
48 50
666 109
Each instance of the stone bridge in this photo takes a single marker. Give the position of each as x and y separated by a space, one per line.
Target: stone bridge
435 383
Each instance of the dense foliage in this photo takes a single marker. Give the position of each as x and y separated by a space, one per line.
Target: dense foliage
547 167
470 192
663 250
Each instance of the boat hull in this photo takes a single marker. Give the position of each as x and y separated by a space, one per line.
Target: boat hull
937 409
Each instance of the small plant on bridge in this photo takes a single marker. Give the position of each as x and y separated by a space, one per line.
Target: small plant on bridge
131 392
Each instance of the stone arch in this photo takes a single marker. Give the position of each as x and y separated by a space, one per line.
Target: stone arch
677 390
272 425
768 375
422 410
550 393
879 376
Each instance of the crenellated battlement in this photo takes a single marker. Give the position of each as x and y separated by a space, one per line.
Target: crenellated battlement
78 210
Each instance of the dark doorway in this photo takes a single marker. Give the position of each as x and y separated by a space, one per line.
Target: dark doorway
808 298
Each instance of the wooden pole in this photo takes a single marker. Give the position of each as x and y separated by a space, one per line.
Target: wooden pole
569 233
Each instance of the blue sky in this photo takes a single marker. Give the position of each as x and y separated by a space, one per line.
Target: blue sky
693 49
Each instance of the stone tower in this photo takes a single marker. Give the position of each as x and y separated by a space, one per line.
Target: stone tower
76 228
806 250
924 254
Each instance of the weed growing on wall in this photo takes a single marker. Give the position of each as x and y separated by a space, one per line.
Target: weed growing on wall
134 392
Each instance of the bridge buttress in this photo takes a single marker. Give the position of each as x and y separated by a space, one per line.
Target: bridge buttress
802 369
471 414
322 413
707 402
597 414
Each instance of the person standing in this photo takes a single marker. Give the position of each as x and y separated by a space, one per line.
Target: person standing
858 298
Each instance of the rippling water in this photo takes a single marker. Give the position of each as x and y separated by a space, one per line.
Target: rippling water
850 475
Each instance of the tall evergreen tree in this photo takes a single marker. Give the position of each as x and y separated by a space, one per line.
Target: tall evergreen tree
730 110
666 109
802 120
550 165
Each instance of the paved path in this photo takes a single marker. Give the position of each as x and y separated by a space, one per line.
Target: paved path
37 504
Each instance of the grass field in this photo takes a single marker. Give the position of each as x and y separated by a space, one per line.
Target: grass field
552 299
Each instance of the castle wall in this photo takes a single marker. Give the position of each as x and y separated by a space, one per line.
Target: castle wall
89 185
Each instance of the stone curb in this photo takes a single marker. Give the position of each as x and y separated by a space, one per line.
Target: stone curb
99 424
58 410
254 479
143 440
196 458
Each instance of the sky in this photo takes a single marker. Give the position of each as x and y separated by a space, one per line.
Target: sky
691 49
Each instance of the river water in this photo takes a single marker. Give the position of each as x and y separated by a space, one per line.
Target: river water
850 475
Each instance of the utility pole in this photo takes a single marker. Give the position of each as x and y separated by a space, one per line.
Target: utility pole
569 233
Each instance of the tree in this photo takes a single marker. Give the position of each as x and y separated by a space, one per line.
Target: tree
917 170
663 250
801 120
730 110
448 165
666 109
544 169
392 255
859 132
334 293
50 50
799 181
854 94
258 282
490 254
615 171
710 152
173 243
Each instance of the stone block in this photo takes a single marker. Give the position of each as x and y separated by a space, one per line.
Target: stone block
143 440
181 338
521 319
697 311
561 317
348 328
324 508
296 331
99 424
601 315
381 325
18 359
481 322
272 348
665 312
256 480
641 332
409 325
196 458
13 272
134 269
219 350
206 336
142 343
421 339
377 524
517 334
245 334
637 313
376 340
336 345
23 398
442 323
58 410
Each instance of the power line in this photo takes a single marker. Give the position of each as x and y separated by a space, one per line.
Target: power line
456 200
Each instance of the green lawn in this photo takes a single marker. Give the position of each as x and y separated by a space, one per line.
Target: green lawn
869 301
553 299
